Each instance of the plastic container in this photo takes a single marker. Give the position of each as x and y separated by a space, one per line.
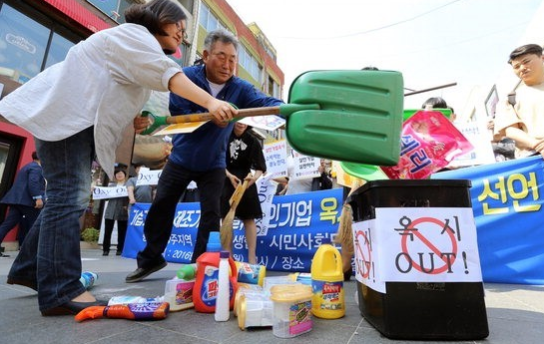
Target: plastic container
412 310
222 309
128 299
88 279
327 282
244 289
271 281
254 309
207 275
302 277
292 306
251 273
178 292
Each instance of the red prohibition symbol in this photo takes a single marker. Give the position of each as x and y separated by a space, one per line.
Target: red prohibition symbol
417 234
364 264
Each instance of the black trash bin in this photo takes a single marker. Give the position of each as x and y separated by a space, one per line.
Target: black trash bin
415 310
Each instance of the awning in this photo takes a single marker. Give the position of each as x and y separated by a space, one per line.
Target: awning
80 14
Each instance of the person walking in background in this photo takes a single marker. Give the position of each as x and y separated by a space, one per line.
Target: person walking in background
199 156
101 86
117 210
25 200
244 154
138 193
522 118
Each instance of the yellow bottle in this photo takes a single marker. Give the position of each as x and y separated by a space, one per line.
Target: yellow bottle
327 282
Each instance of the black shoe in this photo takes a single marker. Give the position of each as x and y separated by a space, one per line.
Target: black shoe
118 253
72 307
3 255
105 253
141 273
348 274
24 283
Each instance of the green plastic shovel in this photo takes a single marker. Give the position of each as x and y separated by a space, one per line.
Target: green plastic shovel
352 116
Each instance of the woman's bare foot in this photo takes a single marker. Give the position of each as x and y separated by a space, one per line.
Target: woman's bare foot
85 297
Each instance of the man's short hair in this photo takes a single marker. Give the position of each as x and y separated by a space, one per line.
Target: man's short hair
222 36
35 156
525 49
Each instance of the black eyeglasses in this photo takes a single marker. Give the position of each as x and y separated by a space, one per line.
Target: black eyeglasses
182 30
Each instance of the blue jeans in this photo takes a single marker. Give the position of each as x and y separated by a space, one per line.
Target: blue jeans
51 254
159 221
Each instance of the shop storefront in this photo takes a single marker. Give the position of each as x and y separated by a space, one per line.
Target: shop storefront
33 36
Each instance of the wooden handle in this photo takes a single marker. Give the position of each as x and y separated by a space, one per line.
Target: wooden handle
206 116
239 193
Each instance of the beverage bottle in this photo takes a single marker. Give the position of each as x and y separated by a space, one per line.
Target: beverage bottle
222 312
327 282
207 273
88 278
178 291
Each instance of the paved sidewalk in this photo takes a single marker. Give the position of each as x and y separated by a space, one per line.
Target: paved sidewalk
515 315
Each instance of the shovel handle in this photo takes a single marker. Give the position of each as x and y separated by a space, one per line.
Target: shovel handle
206 116
238 194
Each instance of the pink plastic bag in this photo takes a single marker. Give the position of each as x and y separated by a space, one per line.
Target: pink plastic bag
429 142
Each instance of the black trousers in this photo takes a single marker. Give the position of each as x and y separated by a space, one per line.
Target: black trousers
159 221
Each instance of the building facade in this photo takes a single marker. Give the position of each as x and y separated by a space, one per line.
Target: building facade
35 34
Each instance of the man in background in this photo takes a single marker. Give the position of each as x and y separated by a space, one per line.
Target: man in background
522 116
25 200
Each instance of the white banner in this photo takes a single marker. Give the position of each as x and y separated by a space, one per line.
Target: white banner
417 245
266 189
270 122
151 177
275 154
478 135
148 177
107 192
305 166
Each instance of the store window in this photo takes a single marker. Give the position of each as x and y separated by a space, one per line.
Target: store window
22 45
24 49
114 9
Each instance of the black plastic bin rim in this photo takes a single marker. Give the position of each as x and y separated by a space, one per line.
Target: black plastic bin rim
415 183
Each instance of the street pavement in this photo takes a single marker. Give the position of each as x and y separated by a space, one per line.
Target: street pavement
515 314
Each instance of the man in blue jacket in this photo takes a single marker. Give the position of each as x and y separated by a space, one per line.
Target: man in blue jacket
200 155
25 200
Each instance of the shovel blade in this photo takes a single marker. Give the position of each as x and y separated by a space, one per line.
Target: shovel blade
359 120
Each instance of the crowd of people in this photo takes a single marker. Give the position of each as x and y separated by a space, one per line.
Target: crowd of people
120 67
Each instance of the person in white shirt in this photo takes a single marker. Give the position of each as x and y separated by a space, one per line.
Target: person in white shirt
522 118
80 107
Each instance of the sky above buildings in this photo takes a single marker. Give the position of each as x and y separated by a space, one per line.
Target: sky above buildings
432 42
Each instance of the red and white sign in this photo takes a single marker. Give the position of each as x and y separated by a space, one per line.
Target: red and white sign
417 245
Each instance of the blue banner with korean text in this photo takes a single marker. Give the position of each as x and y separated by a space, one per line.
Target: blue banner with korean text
509 218
295 226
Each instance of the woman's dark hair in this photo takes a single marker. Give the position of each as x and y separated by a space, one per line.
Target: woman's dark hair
154 15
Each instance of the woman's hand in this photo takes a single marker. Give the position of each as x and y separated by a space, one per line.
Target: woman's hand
235 181
141 123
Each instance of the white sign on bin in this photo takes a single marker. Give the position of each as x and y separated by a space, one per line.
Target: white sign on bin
417 245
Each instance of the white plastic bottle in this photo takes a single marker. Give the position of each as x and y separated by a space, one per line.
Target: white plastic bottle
222 311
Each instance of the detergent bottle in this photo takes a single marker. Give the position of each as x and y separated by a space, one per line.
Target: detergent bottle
207 276
327 282
251 273
88 279
178 291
